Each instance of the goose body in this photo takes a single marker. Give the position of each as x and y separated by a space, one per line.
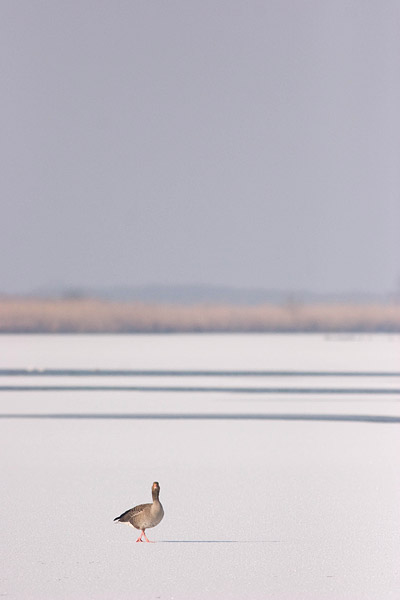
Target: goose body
144 516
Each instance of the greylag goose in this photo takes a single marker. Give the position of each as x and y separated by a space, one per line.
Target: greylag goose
144 516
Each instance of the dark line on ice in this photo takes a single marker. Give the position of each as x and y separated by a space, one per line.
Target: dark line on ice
202 389
206 417
186 373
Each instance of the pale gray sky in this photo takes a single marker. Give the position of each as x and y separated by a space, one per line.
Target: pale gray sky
246 143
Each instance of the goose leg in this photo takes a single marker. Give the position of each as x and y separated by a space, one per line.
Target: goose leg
146 538
140 537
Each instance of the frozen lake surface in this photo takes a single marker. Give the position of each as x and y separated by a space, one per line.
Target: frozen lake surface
277 458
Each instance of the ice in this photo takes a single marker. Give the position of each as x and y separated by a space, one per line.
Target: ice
202 351
253 509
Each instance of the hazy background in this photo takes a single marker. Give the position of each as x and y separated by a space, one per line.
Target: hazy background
246 144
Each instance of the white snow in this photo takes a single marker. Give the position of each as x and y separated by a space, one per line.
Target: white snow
253 509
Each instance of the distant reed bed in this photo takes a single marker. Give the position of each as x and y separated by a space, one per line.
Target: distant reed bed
87 315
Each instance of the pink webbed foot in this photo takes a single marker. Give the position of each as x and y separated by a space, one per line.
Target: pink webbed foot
146 538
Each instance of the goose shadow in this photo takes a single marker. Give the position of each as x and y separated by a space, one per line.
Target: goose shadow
219 541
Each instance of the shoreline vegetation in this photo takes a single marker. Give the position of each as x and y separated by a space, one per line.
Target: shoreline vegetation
90 315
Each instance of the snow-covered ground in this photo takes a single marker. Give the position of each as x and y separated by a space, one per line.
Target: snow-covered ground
278 509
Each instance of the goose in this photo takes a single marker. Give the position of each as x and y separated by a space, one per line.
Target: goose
144 516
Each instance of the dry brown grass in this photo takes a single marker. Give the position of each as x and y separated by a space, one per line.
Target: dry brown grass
97 316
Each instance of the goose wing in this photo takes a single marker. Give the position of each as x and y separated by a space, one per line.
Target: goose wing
132 512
